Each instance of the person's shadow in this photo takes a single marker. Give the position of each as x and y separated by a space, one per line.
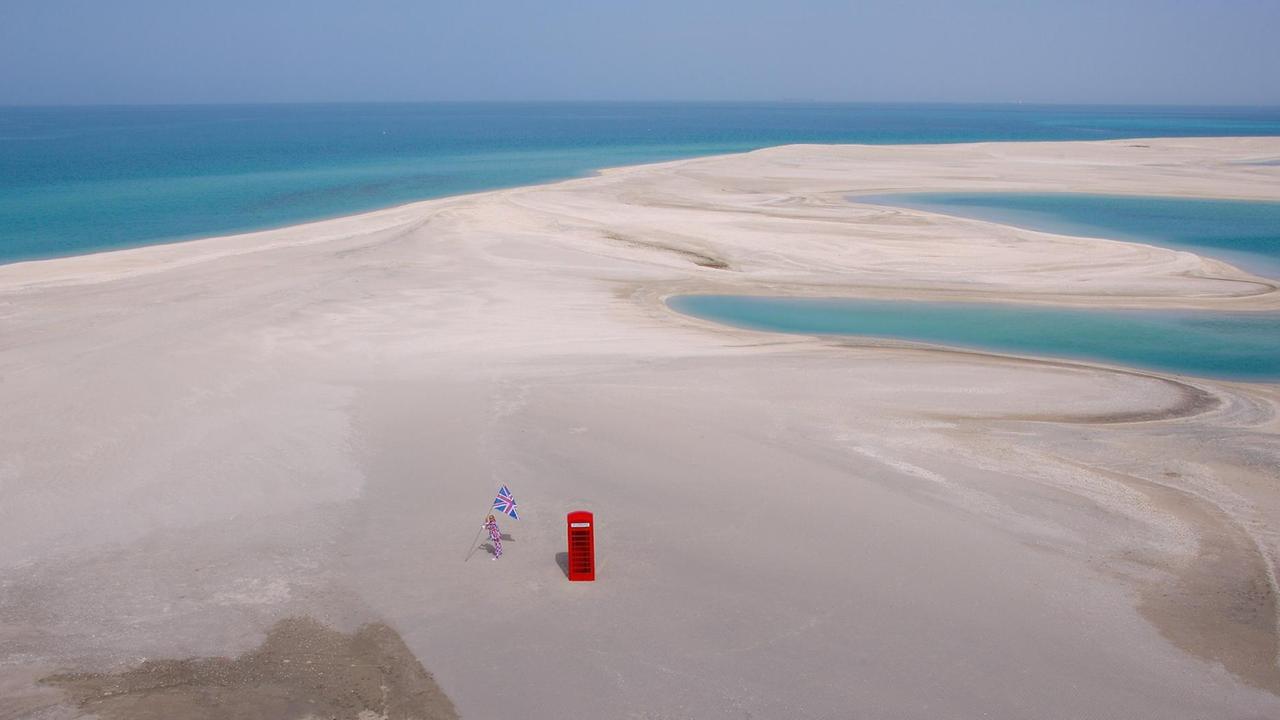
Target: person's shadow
488 546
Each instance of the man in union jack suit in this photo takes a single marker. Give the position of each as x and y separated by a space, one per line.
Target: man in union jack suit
495 535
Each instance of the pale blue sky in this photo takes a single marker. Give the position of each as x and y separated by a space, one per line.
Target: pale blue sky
1069 51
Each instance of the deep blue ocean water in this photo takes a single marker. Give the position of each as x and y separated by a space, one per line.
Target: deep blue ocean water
1245 233
75 180
1241 346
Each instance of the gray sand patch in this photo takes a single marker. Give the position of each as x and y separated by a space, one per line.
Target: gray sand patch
303 669
701 259
1220 604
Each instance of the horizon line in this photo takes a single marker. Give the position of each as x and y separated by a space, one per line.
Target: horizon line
788 101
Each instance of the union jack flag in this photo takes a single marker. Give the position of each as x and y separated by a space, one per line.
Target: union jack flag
505 503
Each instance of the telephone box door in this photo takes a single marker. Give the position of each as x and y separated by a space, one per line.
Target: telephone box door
582 546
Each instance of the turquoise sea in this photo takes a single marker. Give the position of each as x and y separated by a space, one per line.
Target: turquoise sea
1240 346
79 179
1245 233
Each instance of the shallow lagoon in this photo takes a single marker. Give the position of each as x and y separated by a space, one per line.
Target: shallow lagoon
1238 346
1242 232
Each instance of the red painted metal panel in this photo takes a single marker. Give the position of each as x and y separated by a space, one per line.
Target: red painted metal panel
582 545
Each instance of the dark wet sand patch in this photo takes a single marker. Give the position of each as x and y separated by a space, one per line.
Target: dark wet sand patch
1220 604
303 669
1191 400
697 258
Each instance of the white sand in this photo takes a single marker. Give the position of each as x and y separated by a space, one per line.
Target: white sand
199 439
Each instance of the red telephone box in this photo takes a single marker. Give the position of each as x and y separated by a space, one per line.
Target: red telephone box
582 545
